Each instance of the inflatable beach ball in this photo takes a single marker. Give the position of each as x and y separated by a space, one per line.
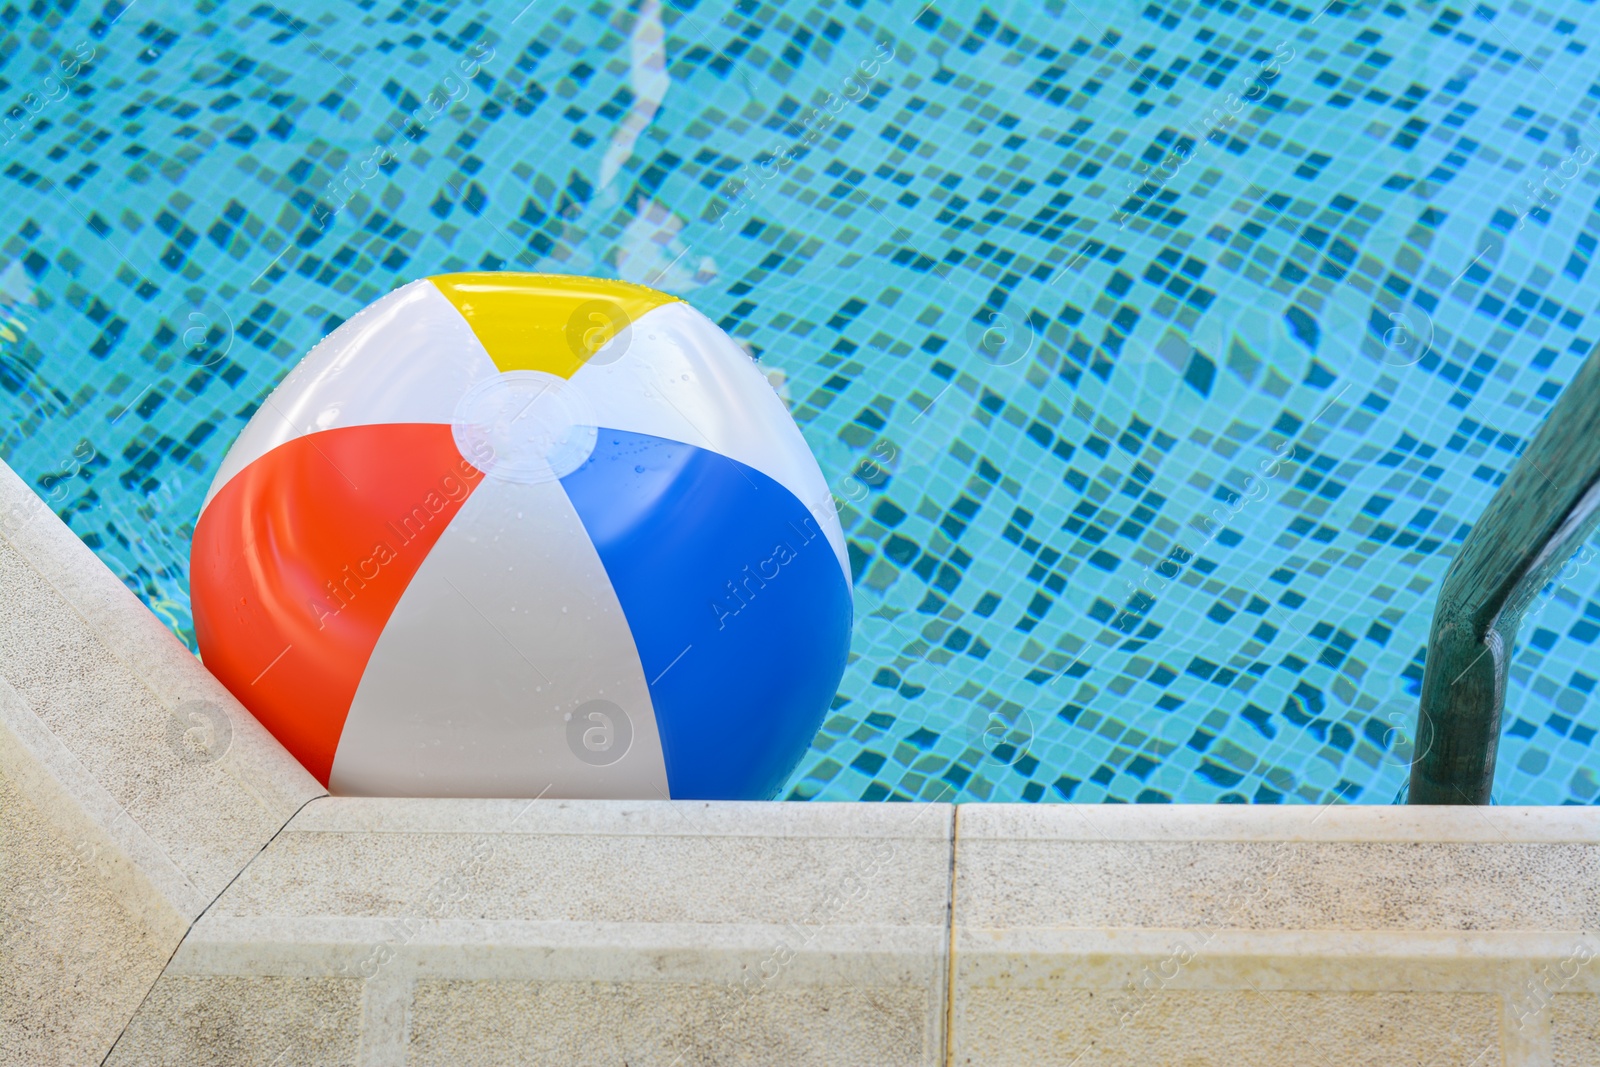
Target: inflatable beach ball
520 535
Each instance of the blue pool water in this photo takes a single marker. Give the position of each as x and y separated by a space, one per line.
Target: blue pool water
1160 355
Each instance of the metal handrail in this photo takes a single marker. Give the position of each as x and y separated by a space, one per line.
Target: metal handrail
1547 507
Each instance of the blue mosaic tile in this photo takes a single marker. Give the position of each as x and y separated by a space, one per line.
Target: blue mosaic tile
1160 356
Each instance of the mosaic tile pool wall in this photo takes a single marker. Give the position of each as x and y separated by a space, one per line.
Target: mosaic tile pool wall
1161 356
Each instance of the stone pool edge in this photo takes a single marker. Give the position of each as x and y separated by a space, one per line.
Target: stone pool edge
174 884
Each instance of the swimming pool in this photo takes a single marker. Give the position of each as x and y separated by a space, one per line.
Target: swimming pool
1160 357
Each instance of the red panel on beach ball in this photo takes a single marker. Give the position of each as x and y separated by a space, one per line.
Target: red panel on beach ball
300 560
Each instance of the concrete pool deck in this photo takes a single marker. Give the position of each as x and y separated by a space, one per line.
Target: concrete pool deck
174 888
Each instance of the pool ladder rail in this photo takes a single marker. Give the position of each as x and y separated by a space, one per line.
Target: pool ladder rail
1544 511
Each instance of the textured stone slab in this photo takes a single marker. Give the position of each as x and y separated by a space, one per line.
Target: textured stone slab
1225 935
63 927
586 932
276 1021
472 1023
133 788
1200 1028
1575 1030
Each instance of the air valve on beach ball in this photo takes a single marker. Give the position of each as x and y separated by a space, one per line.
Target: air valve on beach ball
518 534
